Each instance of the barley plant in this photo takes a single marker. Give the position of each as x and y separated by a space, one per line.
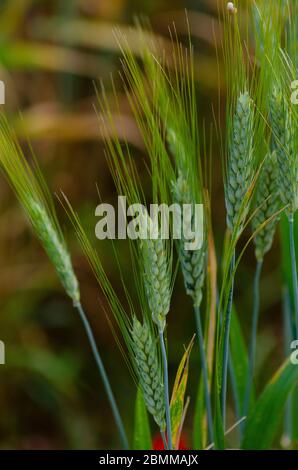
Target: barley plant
157 284
30 188
149 371
267 206
259 161
284 142
174 101
238 183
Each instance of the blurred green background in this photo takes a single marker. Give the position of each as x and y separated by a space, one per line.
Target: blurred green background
51 52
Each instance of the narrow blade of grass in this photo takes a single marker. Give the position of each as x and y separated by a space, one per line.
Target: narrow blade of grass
262 423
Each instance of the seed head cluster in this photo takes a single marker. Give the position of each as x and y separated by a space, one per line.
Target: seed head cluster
55 249
193 262
267 204
148 370
240 163
157 279
283 141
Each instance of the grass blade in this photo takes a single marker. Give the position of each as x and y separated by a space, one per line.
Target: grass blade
142 435
262 423
178 396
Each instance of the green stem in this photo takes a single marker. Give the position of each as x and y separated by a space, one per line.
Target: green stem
227 325
104 377
164 439
234 388
294 271
288 337
253 336
166 389
233 382
204 368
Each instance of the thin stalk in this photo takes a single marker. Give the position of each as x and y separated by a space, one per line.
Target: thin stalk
166 386
104 377
253 336
164 439
232 378
234 388
288 423
227 325
204 368
288 337
294 271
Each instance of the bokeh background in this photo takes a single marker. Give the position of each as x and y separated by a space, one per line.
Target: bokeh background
51 53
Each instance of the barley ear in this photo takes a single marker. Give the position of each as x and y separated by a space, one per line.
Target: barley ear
31 190
149 371
240 162
193 262
283 141
55 248
157 279
267 205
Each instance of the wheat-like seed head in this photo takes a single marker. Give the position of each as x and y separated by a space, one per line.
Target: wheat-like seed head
55 249
32 192
267 204
157 279
240 162
148 370
193 262
283 141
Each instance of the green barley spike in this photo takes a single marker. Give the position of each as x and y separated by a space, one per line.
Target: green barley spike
193 262
240 164
55 249
149 371
283 141
31 190
267 204
157 279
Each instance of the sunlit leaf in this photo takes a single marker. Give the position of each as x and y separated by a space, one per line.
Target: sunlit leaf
262 423
178 396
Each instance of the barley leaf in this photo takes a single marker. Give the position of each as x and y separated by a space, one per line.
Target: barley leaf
142 434
219 437
199 421
178 395
295 416
262 423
